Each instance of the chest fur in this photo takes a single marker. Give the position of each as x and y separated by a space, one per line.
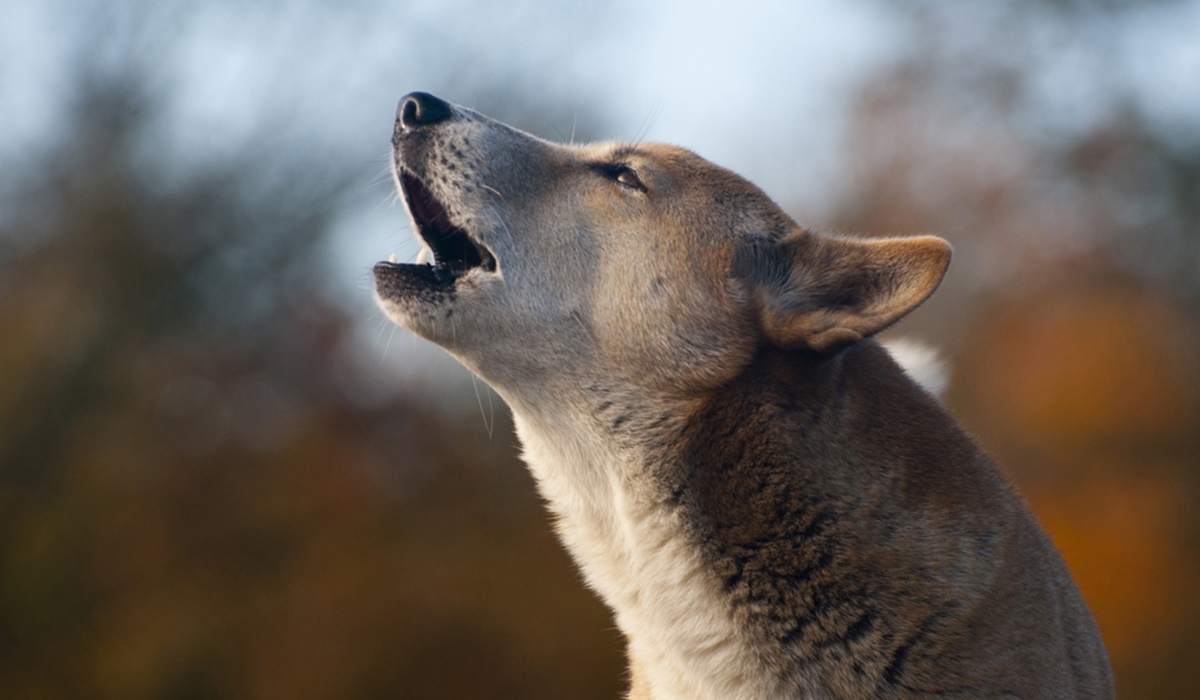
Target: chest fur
634 551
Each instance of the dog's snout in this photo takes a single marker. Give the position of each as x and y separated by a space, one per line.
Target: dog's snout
418 109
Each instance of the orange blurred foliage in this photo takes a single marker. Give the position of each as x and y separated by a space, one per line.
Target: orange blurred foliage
1086 388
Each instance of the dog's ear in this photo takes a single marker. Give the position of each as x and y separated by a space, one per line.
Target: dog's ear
825 293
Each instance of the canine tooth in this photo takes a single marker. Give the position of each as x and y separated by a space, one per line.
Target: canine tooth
393 258
423 256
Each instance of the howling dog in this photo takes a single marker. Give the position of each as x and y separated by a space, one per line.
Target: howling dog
769 505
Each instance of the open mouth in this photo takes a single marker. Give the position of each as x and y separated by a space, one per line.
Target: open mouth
454 251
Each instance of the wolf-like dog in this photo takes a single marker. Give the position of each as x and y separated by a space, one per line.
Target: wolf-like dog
769 505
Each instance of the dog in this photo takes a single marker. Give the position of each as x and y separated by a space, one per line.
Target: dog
769 505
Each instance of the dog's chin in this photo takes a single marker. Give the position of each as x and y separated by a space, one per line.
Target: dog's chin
434 322
447 314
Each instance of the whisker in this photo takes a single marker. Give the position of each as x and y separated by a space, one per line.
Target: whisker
648 122
487 425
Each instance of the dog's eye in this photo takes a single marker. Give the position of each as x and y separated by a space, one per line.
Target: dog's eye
622 174
626 176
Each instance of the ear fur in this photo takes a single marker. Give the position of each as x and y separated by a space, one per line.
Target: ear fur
825 293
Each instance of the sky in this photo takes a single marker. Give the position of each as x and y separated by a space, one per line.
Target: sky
725 80
760 86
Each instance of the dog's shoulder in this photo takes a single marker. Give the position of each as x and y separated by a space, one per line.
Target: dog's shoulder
856 532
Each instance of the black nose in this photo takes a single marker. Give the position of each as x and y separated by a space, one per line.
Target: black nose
419 109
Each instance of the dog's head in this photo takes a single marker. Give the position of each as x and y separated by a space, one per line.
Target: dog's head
641 262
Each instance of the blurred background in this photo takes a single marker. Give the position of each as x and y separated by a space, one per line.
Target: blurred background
224 475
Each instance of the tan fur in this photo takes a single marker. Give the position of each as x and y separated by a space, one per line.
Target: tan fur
768 503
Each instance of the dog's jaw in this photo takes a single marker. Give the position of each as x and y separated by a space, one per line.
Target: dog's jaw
437 183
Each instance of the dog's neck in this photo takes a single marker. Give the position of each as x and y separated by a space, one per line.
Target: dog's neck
640 485
637 556
597 455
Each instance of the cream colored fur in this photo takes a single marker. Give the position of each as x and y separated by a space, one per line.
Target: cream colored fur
637 558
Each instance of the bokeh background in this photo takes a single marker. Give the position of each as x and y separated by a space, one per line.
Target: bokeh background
224 475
